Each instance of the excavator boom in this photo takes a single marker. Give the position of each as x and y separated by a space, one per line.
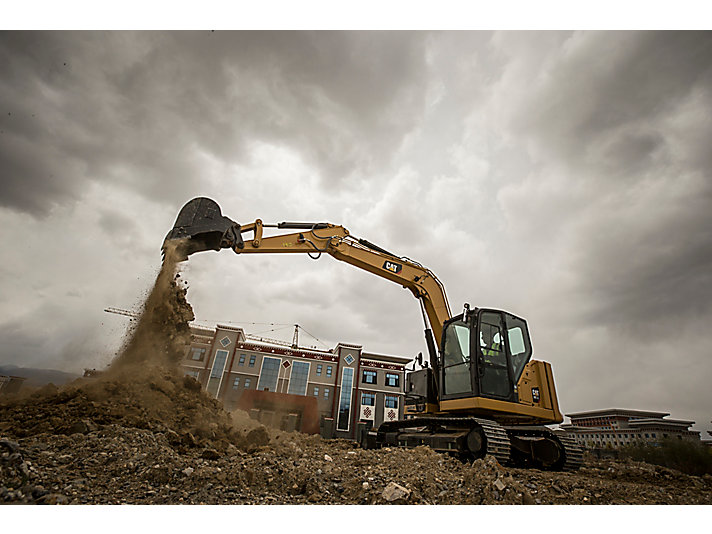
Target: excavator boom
200 226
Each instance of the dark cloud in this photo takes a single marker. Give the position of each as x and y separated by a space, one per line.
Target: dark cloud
601 98
614 112
146 109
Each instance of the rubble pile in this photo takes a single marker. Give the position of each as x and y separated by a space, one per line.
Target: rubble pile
113 463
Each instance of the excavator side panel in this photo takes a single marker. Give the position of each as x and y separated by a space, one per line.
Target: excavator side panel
536 389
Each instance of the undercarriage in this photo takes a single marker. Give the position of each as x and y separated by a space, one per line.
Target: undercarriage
470 438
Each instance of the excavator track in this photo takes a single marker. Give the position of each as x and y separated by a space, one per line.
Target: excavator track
492 435
574 453
543 448
472 437
497 440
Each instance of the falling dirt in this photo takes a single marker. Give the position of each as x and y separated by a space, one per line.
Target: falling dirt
162 332
141 433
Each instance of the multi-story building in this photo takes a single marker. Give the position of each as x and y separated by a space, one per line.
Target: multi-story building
614 428
349 384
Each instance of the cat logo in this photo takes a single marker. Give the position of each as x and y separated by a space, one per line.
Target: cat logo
535 394
393 267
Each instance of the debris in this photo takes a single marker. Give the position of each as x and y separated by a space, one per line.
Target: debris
394 491
210 454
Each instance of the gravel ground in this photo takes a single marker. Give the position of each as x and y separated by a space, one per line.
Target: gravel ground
247 463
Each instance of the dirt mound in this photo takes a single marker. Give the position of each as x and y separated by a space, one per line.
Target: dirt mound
141 389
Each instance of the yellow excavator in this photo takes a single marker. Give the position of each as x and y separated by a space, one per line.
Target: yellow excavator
479 393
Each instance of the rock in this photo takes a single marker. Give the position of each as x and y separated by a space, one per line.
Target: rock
499 485
258 437
365 485
79 427
328 458
394 492
527 498
172 437
210 454
11 446
187 471
189 440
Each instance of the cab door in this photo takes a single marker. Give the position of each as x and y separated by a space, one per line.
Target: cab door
494 368
456 359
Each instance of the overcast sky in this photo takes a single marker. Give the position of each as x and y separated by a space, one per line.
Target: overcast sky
565 177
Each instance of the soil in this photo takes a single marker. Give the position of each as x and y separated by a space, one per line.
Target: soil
142 434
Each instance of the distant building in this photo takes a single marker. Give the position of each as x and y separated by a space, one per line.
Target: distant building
615 427
348 384
10 384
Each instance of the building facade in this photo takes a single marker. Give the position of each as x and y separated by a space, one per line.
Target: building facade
614 428
349 384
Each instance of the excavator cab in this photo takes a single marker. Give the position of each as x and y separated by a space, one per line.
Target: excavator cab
483 355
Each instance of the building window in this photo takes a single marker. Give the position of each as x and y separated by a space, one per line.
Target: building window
225 341
194 374
197 354
391 401
369 377
392 380
316 391
248 381
252 360
236 383
349 359
242 360
318 369
347 381
368 399
326 393
269 374
298 379
328 370
218 364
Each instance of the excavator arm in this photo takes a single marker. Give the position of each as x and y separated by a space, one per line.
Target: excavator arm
201 226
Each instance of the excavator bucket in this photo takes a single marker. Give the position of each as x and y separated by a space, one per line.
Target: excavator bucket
201 226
